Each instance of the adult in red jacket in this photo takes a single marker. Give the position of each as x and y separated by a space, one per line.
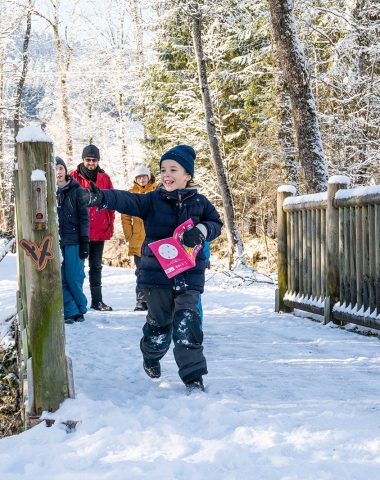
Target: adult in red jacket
101 221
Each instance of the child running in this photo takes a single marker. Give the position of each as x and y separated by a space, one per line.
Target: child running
172 303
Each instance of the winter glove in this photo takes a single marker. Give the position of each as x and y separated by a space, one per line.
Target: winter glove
83 247
93 197
194 236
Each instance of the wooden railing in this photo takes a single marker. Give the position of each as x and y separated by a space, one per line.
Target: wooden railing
329 252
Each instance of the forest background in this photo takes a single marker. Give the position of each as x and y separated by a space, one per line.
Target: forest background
123 75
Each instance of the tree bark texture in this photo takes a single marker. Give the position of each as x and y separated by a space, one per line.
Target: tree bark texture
286 130
16 118
44 302
63 66
3 227
363 73
233 235
123 136
139 36
294 64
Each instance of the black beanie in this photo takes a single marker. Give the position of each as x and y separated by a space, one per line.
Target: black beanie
59 161
91 151
184 155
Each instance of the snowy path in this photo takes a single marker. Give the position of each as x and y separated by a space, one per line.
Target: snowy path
288 398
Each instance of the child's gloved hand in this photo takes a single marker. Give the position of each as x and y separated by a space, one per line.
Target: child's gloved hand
194 236
91 198
83 247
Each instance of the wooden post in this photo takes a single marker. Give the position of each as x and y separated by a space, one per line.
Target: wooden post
372 257
377 258
323 253
295 252
342 236
347 248
47 367
300 253
290 247
313 253
309 243
304 253
282 263
352 257
332 243
365 253
359 258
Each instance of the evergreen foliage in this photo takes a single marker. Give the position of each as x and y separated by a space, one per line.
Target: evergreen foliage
113 102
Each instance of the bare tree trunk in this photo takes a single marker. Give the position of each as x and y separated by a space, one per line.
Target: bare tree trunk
294 64
138 28
20 86
233 235
363 73
286 129
63 66
123 143
137 24
2 166
16 118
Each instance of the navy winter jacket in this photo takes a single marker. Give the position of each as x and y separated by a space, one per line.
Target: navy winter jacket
162 212
73 219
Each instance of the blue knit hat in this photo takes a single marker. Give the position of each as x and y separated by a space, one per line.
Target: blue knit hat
184 155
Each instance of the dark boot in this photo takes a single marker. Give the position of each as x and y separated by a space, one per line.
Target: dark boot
101 307
141 304
141 307
195 385
97 301
69 320
152 368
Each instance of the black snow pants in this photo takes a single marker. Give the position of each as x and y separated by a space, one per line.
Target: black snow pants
174 314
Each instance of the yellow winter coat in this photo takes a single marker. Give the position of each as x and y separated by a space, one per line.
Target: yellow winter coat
133 227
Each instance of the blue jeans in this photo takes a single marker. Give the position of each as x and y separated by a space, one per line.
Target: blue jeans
72 270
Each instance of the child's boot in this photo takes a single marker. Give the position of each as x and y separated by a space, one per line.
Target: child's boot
195 385
152 368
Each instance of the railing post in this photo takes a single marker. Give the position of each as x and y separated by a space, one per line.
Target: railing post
336 183
282 262
47 365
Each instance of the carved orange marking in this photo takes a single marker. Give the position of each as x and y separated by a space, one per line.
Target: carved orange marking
40 255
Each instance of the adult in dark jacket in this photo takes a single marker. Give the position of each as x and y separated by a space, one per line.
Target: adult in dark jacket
101 222
172 302
74 224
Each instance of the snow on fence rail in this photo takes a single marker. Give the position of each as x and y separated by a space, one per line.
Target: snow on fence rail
329 252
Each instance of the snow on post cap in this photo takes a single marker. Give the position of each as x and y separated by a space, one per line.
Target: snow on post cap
287 189
38 175
342 179
32 134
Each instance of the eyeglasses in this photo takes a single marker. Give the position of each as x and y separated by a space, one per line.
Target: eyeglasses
93 160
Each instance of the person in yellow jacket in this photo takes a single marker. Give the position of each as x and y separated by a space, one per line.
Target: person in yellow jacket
133 227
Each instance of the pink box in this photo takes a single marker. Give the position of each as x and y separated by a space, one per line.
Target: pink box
173 256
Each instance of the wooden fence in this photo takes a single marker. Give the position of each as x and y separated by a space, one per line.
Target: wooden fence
329 253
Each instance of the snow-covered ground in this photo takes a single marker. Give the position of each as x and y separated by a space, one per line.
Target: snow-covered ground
287 398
